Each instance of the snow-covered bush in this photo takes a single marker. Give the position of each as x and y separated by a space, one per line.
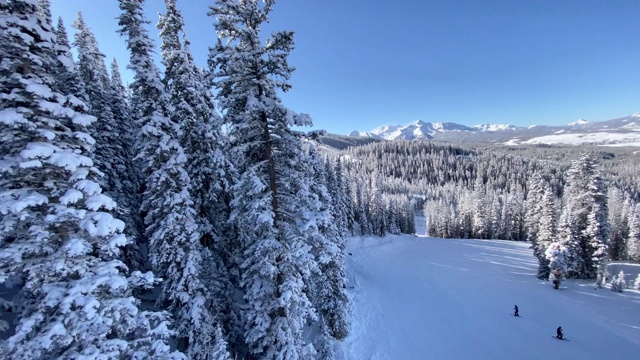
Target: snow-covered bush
618 283
636 283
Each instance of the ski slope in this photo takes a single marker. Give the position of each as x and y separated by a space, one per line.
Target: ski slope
416 297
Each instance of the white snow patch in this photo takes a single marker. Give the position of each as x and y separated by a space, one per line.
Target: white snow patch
83 119
71 196
97 201
596 138
11 116
512 142
30 164
38 89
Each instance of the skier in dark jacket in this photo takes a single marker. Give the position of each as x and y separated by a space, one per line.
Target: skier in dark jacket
559 333
516 313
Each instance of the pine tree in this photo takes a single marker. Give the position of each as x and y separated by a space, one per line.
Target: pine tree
534 206
343 202
597 231
619 222
636 283
329 246
268 155
59 239
113 134
618 284
66 74
174 241
125 169
633 242
562 253
376 206
205 147
586 199
546 232
360 213
44 12
193 300
93 72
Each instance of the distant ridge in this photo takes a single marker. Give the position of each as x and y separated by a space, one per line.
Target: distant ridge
623 131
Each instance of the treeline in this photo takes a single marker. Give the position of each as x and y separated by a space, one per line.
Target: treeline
512 193
111 198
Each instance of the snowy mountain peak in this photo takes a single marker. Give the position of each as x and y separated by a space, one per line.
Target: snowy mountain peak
384 129
417 130
360 133
495 127
578 122
624 131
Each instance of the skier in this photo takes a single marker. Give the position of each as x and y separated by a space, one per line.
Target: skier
516 313
559 333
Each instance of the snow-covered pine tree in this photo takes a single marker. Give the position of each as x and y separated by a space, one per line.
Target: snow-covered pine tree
546 231
636 283
618 284
174 241
375 208
633 242
66 73
93 72
329 246
59 242
44 11
561 252
597 231
361 215
125 167
204 144
113 134
392 211
343 200
534 206
197 309
619 223
481 222
494 225
514 217
329 179
585 197
267 154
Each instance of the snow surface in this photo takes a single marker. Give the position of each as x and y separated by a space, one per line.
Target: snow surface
416 297
597 138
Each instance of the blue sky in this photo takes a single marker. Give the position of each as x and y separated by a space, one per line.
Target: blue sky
360 64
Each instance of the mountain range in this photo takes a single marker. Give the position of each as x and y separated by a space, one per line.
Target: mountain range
623 131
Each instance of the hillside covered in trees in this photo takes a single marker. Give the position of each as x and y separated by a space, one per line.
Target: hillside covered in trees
578 206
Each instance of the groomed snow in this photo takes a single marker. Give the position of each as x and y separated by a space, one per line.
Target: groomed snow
416 297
